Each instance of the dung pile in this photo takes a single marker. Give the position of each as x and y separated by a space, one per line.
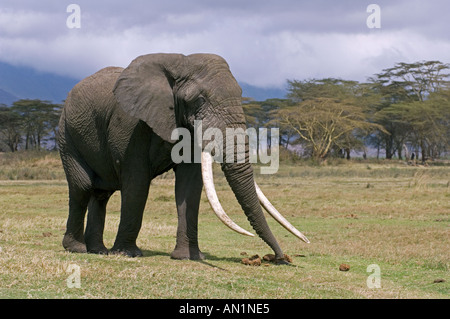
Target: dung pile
256 260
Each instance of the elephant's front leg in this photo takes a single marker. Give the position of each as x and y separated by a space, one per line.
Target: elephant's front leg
188 190
134 197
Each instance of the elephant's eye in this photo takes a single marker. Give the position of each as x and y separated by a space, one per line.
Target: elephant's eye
200 101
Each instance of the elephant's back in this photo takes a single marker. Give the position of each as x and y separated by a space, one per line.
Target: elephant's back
92 97
89 105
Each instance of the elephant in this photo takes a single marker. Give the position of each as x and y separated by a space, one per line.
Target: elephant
115 134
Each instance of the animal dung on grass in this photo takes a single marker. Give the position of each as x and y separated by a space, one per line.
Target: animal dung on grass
255 260
271 258
344 267
439 280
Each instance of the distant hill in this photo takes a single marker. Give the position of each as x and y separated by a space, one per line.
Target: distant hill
7 98
19 82
262 94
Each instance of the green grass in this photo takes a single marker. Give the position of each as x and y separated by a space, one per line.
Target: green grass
390 214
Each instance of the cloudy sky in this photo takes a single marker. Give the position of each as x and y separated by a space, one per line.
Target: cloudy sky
265 42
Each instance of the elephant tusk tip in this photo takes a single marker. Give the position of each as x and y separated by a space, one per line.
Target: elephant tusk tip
277 216
303 237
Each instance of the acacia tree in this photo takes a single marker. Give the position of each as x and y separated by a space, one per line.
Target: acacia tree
427 122
419 79
264 114
10 128
40 118
31 122
328 113
323 123
409 105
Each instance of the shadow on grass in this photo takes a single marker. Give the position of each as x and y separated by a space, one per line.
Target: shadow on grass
209 258
206 261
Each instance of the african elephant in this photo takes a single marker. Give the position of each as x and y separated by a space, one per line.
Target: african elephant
115 133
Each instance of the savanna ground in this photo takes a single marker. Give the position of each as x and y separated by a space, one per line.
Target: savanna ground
356 213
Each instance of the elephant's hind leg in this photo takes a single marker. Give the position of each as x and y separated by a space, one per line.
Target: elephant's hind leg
73 240
79 178
96 222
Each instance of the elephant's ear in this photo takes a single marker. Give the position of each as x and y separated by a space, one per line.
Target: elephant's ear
145 91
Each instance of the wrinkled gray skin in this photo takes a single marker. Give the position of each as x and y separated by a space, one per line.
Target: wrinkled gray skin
115 134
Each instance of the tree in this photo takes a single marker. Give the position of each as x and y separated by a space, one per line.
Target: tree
10 128
324 122
418 80
32 122
264 114
328 113
405 108
427 123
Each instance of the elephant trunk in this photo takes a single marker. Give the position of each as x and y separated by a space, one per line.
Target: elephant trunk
211 194
240 178
239 175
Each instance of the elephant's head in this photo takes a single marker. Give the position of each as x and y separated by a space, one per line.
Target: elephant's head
172 90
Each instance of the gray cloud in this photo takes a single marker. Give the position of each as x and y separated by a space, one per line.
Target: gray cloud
265 42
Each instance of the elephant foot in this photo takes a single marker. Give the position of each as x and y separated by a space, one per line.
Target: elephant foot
99 249
126 250
73 245
192 253
95 246
282 260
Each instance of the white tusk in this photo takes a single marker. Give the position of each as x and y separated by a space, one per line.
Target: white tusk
208 182
277 216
